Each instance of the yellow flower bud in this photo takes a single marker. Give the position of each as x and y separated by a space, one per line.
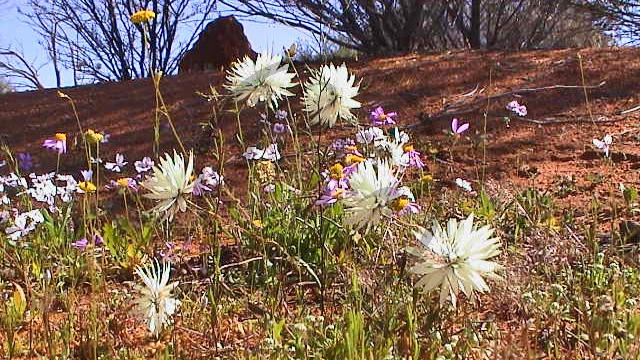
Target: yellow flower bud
87 186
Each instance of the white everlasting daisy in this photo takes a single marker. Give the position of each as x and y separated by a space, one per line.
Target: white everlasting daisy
457 258
329 95
170 183
373 188
156 303
262 80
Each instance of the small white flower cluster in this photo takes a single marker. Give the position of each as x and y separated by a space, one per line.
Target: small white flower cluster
46 188
270 153
170 183
464 184
49 189
517 108
208 180
11 181
23 224
393 148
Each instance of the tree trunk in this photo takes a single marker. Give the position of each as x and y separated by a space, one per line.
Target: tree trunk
474 34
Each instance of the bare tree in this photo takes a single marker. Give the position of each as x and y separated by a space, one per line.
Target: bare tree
396 26
372 27
524 24
97 40
15 66
621 17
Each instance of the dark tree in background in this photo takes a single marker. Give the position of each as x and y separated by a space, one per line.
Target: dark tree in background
372 27
398 26
524 24
98 42
621 17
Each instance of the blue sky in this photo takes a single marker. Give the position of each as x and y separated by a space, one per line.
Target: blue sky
18 35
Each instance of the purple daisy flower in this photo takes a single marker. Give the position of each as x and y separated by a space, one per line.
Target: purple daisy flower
379 117
58 143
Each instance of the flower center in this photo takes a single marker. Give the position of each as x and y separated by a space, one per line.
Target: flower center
400 204
61 137
352 159
336 171
124 182
87 186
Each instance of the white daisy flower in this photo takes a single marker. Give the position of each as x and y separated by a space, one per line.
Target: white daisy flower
264 80
329 95
373 188
457 258
156 303
170 183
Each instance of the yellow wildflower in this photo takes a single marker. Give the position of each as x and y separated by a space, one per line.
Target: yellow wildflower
427 178
142 16
257 223
94 137
352 159
124 182
335 171
400 203
87 186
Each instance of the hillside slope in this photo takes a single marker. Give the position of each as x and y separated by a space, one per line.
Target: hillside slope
422 88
